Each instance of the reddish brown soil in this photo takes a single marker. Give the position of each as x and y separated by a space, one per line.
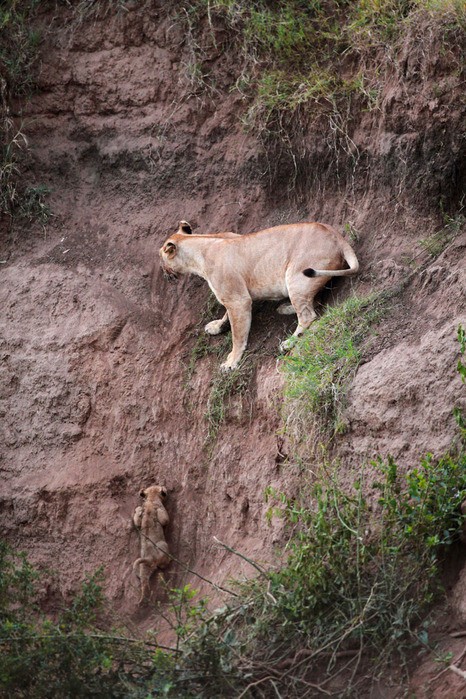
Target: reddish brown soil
95 396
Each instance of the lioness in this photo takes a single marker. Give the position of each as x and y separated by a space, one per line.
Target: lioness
150 518
291 261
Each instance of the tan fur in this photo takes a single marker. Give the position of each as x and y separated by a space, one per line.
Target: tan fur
150 519
269 264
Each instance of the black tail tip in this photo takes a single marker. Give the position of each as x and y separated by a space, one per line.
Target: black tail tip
309 272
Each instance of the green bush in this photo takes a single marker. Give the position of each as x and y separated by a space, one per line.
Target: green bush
359 575
364 568
65 657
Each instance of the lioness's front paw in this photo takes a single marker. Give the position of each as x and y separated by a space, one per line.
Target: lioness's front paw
225 366
230 363
288 344
214 327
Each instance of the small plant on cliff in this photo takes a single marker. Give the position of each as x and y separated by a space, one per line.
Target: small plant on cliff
205 344
19 53
462 342
436 243
319 370
33 205
224 386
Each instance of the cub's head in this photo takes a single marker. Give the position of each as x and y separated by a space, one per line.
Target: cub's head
170 259
153 492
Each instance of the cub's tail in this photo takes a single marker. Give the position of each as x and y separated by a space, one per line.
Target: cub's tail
350 258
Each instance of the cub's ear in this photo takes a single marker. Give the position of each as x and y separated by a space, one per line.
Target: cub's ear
170 249
184 227
142 493
163 492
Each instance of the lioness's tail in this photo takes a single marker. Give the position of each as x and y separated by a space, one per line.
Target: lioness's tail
351 260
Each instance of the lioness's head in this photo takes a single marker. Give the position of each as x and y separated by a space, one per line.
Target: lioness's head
153 492
169 250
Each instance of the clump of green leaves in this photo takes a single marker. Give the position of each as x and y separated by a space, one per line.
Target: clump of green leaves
362 571
33 205
462 342
320 368
187 611
69 656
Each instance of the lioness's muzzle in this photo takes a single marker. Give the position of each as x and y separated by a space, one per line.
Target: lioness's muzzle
169 274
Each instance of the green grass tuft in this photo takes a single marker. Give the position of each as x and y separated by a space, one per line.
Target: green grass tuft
300 62
320 368
224 387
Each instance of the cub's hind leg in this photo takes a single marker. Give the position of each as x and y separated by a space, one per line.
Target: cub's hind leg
145 571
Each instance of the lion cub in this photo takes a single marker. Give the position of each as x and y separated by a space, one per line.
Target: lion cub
150 518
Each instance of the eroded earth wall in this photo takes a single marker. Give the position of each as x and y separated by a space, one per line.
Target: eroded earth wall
103 389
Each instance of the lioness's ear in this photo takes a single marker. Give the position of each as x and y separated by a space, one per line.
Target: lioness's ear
170 249
184 227
163 492
142 493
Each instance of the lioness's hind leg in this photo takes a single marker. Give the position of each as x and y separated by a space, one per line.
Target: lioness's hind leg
302 291
215 327
286 309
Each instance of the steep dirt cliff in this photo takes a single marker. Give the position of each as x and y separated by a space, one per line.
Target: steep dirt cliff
103 389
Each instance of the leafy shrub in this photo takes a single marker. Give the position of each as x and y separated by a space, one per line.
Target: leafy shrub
66 657
360 575
372 570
